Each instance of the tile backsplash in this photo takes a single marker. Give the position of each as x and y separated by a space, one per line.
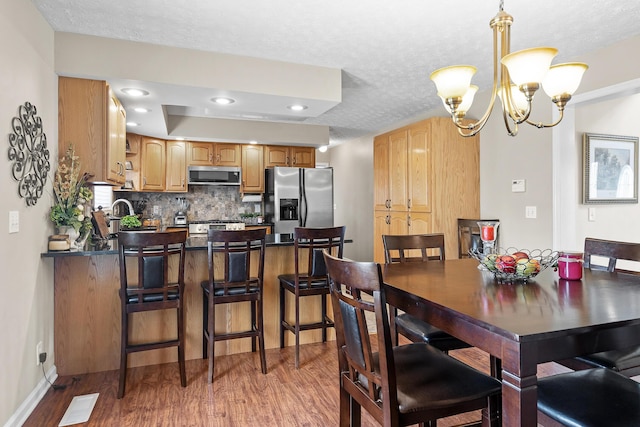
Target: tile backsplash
205 203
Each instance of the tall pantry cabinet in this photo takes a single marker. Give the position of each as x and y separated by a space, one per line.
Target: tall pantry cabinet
426 176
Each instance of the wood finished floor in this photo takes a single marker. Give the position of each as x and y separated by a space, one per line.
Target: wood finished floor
239 396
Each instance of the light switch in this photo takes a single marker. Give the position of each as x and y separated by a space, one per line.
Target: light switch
592 214
517 186
14 221
530 212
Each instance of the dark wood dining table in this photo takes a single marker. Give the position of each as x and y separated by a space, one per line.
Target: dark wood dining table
521 324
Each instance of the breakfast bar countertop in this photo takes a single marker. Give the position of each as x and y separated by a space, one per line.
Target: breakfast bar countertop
110 246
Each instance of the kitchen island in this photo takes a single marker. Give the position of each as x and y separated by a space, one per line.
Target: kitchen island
87 309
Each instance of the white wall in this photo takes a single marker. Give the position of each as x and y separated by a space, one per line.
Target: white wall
26 306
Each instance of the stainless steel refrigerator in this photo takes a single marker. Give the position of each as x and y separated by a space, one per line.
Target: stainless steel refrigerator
298 197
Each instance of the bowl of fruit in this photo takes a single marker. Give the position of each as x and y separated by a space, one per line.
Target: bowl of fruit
516 265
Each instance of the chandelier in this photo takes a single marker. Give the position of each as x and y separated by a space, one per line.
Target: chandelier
516 78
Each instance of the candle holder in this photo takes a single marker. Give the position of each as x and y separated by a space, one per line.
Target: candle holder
488 235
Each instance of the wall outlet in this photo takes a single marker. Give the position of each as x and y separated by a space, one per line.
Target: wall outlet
530 212
38 351
14 221
156 210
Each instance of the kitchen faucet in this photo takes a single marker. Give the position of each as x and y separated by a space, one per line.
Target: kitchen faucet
126 202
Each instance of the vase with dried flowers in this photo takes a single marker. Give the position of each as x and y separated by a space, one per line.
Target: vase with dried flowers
71 194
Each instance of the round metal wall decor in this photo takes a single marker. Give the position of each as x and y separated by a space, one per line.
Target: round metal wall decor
29 153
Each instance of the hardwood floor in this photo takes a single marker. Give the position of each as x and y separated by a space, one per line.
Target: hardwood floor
239 396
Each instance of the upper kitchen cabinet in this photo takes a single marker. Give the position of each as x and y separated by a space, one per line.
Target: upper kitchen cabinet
252 169
292 156
213 154
176 169
153 164
92 119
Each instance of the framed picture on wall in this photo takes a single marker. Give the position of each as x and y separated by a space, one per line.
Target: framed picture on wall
610 169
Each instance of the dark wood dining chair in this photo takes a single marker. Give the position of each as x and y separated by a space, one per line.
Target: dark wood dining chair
469 236
151 278
397 385
591 398
625 361
399 248
308 279
231 254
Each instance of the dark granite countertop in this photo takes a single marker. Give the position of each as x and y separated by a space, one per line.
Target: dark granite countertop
110 246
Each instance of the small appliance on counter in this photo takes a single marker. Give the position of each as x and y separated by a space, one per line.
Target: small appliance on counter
180 217
200 228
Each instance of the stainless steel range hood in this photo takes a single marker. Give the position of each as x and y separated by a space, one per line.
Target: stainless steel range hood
214 175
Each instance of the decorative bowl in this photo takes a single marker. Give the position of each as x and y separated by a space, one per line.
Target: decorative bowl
513 265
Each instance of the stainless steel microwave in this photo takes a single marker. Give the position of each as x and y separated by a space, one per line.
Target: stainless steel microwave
214 175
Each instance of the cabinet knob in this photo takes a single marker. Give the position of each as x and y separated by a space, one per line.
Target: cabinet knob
387 219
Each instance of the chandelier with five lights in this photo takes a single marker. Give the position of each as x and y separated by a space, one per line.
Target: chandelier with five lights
516 78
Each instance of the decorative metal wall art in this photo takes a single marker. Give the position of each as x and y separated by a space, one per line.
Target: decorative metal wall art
29 153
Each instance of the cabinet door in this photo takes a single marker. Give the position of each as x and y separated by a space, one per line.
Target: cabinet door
276 155
227 155
398 171
419 172
381 173
132 164
303 157
252 169
153 164
176 170
200 153
115 140
381 224
419 223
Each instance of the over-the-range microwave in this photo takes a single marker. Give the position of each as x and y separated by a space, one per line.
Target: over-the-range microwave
214 175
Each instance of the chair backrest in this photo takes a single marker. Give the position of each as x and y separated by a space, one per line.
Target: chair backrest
610 249
403 246
233 250
159 260
314 241
469 236
353 284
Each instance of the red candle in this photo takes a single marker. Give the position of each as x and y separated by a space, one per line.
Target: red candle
488 233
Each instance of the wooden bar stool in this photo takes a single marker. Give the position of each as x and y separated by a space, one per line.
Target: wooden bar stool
156 283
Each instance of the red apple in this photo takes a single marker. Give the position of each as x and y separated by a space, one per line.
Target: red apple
519 255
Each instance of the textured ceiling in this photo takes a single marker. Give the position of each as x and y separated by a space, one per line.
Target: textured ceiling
385 49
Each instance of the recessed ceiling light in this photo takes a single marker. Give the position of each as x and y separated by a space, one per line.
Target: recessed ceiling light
254 142
223 101
323 148
133 124
179 138
297 107
141 110
135 92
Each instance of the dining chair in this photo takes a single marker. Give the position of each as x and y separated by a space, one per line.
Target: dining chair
308 279
625 361
232 279
399 248
397 385
590 398
469 236
151 278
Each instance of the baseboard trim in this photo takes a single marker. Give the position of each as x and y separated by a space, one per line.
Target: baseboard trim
22 413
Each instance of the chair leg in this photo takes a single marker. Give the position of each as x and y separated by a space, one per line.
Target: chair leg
393 313
253 326
282 310
324 317
297 331
263 357
205 323
355 412
181 333
124 339
212 339
345 408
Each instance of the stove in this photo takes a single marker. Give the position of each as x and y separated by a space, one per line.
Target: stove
201 227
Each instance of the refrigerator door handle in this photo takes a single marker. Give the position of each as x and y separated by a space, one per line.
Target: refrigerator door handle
303 201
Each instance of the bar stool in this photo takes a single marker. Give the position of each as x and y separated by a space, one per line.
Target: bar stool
157 283
230 256
310 278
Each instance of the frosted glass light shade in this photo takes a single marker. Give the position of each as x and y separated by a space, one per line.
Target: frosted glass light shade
529 65
518 98
467 99
563 78
454 81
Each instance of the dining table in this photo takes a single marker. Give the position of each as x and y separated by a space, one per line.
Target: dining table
520 324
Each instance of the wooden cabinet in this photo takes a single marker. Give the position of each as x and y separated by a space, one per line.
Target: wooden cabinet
176 169
92 118
426 176
153 164
252 169
258 227
282 155
132 164
213 154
